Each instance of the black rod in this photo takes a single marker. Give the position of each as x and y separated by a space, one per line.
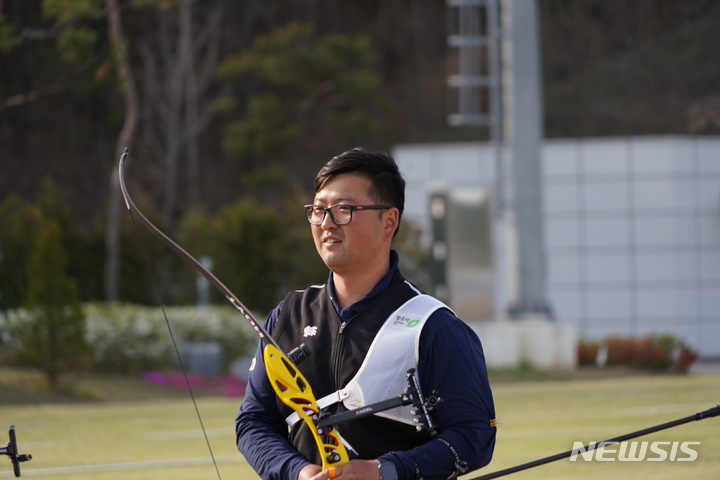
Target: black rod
711 412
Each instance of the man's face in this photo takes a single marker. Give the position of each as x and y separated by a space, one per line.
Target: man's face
362 244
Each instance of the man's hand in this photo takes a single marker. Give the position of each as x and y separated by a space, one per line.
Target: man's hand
353 470
309 471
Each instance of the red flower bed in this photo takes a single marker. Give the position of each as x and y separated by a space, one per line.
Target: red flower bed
654 352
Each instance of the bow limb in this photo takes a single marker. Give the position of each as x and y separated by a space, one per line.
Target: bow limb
287 381
262 333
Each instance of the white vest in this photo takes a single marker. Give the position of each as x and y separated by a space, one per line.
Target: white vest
394 350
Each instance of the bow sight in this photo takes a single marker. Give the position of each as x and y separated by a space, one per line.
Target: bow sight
11 450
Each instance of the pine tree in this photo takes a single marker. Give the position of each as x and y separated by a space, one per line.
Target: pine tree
53 339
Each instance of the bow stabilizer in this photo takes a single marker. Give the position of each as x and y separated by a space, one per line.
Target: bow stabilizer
709 413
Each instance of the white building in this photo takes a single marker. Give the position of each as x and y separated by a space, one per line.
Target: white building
632 229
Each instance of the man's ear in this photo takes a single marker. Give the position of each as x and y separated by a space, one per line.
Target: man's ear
392 222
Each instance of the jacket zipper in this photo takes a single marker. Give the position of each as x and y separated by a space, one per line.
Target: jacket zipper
338 355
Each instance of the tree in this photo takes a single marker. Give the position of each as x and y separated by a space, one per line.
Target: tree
179 54
300 87
21 223
125 137
53 338
66 24
256 250
178 64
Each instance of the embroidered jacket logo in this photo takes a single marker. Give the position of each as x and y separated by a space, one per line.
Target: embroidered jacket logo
310 331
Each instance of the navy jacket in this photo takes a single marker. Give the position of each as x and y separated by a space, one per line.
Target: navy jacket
451 362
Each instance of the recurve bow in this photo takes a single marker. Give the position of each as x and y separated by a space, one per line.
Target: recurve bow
288 382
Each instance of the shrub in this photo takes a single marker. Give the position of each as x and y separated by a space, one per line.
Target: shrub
620 351
664 353
133 339
587 352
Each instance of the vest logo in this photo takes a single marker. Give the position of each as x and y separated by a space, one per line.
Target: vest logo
401 320
310 331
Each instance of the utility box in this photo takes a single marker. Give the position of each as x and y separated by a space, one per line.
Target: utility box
462 251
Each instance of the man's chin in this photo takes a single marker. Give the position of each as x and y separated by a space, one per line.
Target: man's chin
333 260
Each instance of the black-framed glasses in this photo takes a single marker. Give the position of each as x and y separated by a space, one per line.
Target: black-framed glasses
340 214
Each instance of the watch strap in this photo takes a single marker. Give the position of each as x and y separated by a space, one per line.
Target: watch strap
387 470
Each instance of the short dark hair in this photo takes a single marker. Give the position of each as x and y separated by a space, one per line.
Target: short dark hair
388 184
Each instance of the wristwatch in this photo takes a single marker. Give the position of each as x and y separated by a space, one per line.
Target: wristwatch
387 470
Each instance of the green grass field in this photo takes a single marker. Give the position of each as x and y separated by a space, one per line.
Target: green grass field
159 438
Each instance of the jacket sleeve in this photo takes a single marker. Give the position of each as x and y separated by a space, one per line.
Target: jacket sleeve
452 363
261 433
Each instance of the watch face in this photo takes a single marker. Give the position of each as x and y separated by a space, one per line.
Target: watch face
387 471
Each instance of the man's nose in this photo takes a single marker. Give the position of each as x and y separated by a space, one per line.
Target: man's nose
328 223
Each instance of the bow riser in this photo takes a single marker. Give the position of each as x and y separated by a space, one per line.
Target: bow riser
293 389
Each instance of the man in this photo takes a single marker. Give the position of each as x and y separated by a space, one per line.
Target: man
359 200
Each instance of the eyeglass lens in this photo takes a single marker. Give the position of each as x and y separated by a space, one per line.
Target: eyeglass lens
340 214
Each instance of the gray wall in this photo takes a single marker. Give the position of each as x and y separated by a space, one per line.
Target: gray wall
632 229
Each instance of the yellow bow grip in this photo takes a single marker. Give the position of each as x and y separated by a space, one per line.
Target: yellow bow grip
295 392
